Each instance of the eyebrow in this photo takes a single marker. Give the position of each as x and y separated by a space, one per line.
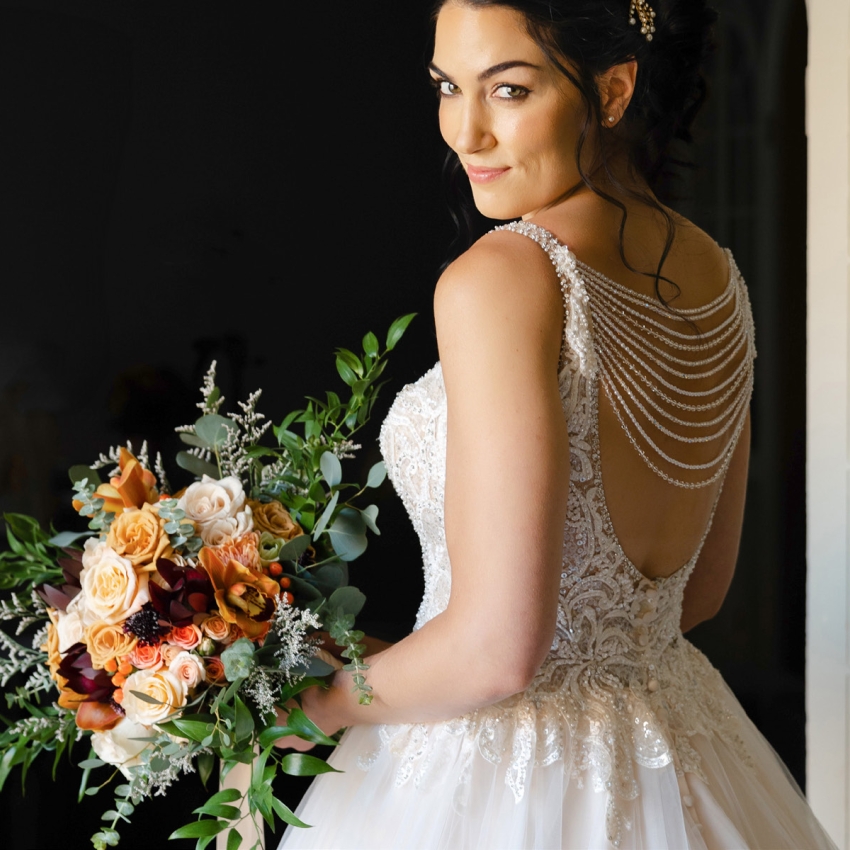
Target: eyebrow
490 72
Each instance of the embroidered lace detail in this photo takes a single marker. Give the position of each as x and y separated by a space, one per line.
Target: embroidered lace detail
620 686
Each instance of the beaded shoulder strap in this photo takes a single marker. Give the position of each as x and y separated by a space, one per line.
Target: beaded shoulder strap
577 318
648 359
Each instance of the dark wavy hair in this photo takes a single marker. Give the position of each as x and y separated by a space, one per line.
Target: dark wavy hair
583 39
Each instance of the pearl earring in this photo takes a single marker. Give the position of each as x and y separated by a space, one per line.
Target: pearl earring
610 119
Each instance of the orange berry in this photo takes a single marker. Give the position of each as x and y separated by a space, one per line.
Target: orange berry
288 597
125 668
275 569
163 497
118 696
285 582
111 666
118 679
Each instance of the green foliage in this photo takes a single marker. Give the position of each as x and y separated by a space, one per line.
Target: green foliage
31 559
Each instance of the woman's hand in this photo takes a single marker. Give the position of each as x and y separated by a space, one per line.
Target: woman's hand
312 701
291 742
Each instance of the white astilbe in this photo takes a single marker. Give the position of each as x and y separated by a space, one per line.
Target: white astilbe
296 650
25 613
162 478
250 427
19 659
147 782
207 388
114 455
345 449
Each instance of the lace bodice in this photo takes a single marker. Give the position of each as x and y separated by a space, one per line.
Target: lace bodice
620 685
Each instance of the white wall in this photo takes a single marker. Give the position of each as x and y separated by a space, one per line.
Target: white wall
828 470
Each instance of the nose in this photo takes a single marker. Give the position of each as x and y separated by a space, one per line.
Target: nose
470 129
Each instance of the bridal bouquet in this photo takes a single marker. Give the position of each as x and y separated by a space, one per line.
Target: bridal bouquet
169 637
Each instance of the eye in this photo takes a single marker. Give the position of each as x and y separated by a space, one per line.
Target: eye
506 91
445 88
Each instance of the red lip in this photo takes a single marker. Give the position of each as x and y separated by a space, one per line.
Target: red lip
478 174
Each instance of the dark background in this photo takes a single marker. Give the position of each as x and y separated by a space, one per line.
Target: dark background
188 181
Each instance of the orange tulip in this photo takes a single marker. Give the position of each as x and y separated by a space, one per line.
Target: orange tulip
244 597
97 716
136 485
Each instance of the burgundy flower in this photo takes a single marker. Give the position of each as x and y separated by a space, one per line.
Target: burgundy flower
60 597
82 678
189 592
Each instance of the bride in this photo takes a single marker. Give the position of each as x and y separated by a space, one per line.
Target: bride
575 466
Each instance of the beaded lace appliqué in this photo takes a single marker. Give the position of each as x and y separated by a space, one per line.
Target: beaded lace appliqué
620 686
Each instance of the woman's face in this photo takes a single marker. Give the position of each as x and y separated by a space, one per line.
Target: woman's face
510 116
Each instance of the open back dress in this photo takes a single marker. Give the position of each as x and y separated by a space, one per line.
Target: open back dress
627 737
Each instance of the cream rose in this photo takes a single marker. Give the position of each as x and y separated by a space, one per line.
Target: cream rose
220 532
70 623
162 685
105 641
189 669
209 502
113 589
118 747
169 651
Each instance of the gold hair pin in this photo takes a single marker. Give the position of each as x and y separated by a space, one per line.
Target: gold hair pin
645 14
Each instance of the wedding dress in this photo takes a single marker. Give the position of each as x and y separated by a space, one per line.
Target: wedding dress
627 737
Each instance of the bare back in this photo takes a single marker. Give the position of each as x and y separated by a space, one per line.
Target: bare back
659 525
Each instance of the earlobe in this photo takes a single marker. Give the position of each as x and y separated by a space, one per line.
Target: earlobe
616 87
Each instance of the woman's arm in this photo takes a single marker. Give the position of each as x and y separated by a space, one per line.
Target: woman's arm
712 576
499 317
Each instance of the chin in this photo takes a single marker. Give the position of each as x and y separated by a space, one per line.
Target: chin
501 208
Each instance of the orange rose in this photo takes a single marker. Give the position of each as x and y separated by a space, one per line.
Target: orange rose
51 646
275 518
216 628
215 670
139 536
145 657
244 597
105 641
242 549
186 637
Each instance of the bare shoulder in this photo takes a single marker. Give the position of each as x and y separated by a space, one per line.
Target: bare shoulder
502 271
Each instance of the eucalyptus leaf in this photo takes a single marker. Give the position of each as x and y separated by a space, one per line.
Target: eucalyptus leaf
193 440
323 520
196 466
348 534
315 667
348 598
213 429
68 538
370 515
79 472
331 468
295 548
377 474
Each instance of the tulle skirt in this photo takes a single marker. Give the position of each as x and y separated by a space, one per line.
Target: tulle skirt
471 807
